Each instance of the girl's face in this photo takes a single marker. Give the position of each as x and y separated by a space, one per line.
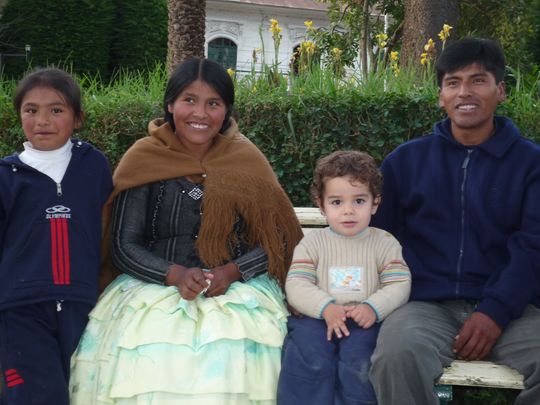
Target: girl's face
47 120
348 205
198 114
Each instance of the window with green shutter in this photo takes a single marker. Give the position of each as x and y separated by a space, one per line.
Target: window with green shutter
223 51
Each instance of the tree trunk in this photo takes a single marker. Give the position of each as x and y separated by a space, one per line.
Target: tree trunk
187 24
365 39
423 20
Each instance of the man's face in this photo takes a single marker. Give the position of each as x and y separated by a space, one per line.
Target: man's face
470 96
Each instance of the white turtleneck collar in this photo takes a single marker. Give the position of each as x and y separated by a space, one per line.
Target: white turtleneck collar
53 163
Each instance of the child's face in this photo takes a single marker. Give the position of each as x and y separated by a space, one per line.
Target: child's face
47 120
348 205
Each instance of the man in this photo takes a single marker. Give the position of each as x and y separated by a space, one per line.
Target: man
464 202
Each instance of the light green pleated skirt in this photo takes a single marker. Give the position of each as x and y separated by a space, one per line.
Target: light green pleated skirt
144 344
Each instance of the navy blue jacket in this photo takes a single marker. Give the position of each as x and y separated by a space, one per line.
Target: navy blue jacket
468 218
50 233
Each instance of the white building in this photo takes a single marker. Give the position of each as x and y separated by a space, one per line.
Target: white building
234 29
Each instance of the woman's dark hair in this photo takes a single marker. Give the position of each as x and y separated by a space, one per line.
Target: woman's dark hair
359 166
468 51
55 79
210 72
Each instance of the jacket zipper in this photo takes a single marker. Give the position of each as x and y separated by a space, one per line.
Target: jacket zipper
464 167
59 189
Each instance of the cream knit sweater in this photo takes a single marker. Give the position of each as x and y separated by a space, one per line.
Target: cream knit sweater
366 268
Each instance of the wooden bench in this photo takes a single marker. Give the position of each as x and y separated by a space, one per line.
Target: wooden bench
466 373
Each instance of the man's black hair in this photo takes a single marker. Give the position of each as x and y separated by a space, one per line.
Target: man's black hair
468 51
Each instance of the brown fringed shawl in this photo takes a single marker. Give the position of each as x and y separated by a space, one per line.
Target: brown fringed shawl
238 181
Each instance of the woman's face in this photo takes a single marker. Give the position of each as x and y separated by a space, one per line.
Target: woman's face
198 114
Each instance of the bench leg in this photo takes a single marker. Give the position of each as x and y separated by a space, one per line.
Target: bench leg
445 394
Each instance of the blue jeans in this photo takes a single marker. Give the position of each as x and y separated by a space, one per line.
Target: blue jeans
317 371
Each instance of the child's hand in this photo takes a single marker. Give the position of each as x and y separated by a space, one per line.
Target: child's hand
335 318
362 314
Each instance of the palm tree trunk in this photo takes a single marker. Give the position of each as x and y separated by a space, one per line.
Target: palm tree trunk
187 24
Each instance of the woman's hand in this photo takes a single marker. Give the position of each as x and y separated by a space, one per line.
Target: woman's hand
190 282
222 278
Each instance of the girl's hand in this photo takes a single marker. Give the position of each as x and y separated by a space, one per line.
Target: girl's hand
222 277
335 318
362 314
190 282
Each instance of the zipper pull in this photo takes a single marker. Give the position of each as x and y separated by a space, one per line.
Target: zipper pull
59 189
59 305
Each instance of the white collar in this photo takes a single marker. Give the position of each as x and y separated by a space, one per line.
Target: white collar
35 154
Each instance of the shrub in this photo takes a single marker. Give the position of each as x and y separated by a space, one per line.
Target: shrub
139 37
67 33
293 127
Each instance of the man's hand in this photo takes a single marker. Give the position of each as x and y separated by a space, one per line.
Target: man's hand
477 337
362 314
335 318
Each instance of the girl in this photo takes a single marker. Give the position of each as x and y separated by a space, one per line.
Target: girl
50 232
345 279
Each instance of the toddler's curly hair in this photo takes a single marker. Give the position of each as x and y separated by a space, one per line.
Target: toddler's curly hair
360 166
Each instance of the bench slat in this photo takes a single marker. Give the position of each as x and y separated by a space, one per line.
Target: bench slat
309 216
481 374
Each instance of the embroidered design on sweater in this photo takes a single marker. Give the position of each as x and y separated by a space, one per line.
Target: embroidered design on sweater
346 278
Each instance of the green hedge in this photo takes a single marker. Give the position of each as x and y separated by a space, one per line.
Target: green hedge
295 131
292 128
62 32
96 37
139 34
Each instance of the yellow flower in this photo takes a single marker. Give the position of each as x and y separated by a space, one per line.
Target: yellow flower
381 39
394 55
309 24
230 72
254 89
275 29
429 53
445 32
308 47
430 46
336 52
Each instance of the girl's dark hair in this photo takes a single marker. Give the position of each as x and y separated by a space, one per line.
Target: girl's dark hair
468 51
209 72
360 166
53 78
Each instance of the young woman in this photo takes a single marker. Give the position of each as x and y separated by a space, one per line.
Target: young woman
204 235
